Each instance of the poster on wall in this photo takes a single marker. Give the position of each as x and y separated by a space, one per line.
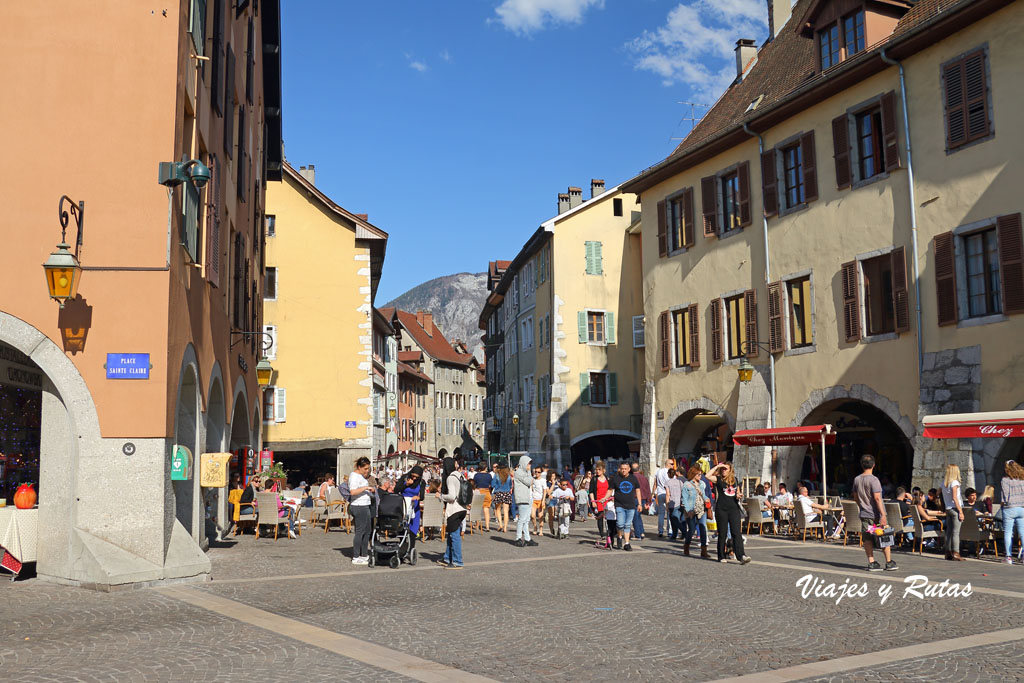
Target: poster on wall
266 459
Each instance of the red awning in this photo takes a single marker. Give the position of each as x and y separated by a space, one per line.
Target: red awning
1002 425
785 436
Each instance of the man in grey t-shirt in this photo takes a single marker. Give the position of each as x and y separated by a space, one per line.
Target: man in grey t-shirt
867 491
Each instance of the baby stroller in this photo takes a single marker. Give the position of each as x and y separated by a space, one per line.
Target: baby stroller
391 533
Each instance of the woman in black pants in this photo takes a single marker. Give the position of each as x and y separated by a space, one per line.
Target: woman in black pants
727 510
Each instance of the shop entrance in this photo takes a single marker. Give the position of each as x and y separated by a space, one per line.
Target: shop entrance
307 466
608 448
21 414
700 433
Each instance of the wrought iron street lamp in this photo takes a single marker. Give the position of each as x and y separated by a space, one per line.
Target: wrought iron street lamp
264 371
62 269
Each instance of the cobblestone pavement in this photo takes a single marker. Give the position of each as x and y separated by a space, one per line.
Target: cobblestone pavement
561 609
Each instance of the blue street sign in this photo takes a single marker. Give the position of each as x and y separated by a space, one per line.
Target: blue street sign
127 366
350 424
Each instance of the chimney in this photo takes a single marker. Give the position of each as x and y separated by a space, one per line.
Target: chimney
575 197
563 203
746 50
419 318
596 187
428 324
779 12
309 173
364 216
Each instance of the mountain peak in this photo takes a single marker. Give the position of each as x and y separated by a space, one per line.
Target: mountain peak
455 301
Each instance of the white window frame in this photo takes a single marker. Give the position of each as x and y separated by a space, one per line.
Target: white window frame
270 223
270 353
786 312
642 344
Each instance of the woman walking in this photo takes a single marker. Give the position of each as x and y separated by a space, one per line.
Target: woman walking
727 510
954 511
360 497
694 509
1012 486
451 482
523 496
502 490
598 493
550 503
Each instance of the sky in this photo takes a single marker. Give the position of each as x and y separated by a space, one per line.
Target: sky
455 123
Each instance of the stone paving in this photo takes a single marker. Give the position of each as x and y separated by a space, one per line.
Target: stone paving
558 610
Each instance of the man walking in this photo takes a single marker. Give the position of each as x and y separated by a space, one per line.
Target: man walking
660 481
867 491
624 488
522 492
645 500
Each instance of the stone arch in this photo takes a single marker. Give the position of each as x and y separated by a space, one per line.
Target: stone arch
694 406
188 418
256 437
991 456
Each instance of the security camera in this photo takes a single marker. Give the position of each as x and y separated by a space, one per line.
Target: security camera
199 173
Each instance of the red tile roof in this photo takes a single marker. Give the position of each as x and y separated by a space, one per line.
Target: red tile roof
410 356
404 369
434 344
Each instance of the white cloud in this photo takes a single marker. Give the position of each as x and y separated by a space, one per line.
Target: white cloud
446 56
696 45
527 16
418 65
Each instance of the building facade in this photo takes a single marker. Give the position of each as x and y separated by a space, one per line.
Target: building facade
847 219
414 390
320 413
494 363
385 386
171 260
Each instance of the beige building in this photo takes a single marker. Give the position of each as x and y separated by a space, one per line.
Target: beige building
846 217
566 321
325 406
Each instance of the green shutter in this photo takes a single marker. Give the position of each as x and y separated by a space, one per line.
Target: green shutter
591 260
598 263
609 327
613 388
581 322
585 388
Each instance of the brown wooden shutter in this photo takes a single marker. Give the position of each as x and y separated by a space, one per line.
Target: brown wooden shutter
213 209
688 237
1011 262
662 232
750 314
810 167
953 81
851 302
976 95
945 279
900 297
769 184
691 313
229 104
663 341
841 145
890 131
709 205
716 331
776 342
743 173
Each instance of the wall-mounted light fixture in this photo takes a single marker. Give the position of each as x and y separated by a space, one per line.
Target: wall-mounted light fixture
62 269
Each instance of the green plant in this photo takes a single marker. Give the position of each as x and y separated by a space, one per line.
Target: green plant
275 472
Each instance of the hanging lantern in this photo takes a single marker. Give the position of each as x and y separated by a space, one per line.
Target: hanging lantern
62 274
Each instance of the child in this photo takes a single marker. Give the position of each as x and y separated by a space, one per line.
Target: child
582 501
609 520
562 508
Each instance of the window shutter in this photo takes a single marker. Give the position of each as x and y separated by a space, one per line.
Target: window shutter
662 230
229 103
270 351
709 205
750 313
945 279
716 331
769 191
776 344
663 341
851 302
213 221
976 98
217 75
613 388
953 77
1011 262
890 132
585 388
589 256
581 324
598 259
688 237
638 332
691 313
609 328
841 145
900 297
743 172
280 404
810 166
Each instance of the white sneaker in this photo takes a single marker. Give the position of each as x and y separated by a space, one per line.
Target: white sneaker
362 560
291 534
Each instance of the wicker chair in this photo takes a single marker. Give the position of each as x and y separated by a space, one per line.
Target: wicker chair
972 531
919 532
754 516
336 508
803 525
433 516
266 510
851 511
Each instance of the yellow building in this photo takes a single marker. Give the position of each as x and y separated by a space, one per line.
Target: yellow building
563 318
847 218
319 410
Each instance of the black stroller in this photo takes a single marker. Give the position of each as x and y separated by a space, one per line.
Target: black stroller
391 535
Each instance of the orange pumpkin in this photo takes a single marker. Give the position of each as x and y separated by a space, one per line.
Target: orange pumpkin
25 497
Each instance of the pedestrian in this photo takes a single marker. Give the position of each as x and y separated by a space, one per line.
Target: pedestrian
454 512
539 493
501 487
661 495
673 503
644 486
1012 486
867 491
598 495
550 504
523 493
694 510
727 510
412 487
483 481
954 511
562 496
583 497
360 495
624 490
609 516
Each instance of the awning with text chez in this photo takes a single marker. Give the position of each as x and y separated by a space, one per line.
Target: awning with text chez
1001 425
785 436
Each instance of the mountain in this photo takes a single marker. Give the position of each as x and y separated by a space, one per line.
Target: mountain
456 302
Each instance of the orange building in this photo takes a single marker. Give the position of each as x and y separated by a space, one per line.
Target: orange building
413 394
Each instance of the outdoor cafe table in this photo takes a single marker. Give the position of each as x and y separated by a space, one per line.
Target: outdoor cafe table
18 530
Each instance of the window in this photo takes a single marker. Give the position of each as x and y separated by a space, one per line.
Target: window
617 206
190 221
793 176
197 25
879 299
979 270
269 403
878 295
828 46
270 284
725 200
981 258
967 99
735 326
440 425
269 345
595 327
800 329
280 404
527 330
638 332
598 388
594 260
680 221
871 127
841 40
853 33
271 225
730 189
870 154
681 337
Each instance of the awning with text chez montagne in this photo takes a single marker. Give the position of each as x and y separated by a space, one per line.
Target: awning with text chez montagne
1000 425
785 436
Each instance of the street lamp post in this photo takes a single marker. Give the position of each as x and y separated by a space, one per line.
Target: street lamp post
515 421
746 373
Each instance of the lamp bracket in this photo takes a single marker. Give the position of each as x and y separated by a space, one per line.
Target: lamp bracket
268 339
76 211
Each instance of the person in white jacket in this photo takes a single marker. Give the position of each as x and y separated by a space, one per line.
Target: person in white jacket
522 491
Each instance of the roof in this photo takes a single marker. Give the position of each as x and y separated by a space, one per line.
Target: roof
785 79
434 344
494 267
404 369
409 356
382 321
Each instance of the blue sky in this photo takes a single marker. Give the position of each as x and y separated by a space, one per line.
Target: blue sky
455 123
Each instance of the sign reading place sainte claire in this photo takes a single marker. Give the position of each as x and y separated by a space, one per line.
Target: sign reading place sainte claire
127 366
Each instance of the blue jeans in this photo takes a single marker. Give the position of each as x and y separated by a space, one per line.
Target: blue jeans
453 551
675 519
624 517
523 522
907 525
1012 518
662 510
638 523
702 526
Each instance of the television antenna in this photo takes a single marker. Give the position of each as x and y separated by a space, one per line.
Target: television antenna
692 118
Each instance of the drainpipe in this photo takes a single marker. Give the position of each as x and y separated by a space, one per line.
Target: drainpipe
913 213
771 357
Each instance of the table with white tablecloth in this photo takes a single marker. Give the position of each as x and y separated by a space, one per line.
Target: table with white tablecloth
18 533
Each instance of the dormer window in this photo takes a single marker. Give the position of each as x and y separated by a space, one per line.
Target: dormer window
853 32
842 39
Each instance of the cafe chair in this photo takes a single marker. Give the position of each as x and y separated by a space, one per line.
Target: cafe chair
336 508
754 516
851 511
266 511
245 513
433 516
971 531
803 525
919 532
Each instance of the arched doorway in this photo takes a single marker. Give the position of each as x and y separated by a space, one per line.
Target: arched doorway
21 416
696 428
215 500
604 446
186 433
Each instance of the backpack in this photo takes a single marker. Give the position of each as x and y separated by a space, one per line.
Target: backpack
465 494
